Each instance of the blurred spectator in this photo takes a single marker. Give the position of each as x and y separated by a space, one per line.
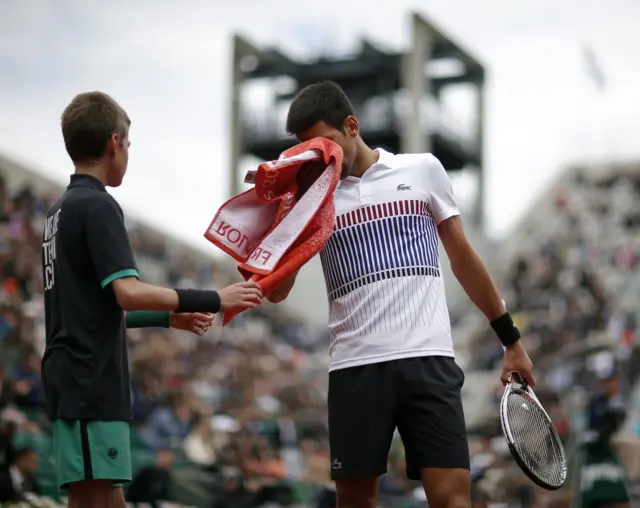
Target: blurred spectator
168 426
606 409
5 390
18 479
263 463
395 482
606 415
234 494
152 484
27 385
203 445
7 451
145 393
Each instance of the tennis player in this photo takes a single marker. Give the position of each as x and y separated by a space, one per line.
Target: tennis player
392 360
90 279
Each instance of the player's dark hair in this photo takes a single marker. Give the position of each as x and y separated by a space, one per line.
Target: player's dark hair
88 123
322 102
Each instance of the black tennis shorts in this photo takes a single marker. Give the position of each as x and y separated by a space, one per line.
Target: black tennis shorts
420 396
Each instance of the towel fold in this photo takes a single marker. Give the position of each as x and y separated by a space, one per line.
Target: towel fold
270 230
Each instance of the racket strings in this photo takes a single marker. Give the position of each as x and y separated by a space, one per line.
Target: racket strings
535 439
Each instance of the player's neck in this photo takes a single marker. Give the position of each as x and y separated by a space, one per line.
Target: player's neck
98 171
365 159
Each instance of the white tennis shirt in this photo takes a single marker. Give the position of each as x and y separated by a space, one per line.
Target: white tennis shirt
381 264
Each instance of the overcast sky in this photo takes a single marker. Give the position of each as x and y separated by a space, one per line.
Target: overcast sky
167 62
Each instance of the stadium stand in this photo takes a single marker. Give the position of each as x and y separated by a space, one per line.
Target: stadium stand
573 290
211 410
238 418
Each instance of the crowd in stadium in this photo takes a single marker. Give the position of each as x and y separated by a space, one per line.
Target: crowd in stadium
570 285
236 407
562 286
238 418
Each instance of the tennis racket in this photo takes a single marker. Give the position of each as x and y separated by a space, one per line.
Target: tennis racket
531 436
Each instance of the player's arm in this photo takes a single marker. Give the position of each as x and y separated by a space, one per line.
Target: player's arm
113 259
466 265
474 278
470 271
282 291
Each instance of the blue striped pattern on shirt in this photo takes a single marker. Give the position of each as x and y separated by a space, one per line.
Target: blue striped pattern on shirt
377 242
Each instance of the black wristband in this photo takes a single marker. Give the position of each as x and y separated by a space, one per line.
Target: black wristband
198 300
506 330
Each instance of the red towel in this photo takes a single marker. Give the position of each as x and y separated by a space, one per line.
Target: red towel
270 233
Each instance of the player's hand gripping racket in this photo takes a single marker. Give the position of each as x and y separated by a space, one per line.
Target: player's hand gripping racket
531 436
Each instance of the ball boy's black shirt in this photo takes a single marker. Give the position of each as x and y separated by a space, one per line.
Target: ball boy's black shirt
85 248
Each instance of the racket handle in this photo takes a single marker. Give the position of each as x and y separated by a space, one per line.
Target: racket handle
516 376
519 379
